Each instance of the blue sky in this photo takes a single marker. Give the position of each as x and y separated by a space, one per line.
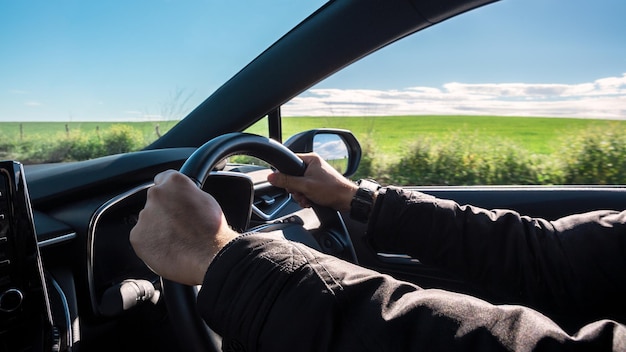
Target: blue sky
139 60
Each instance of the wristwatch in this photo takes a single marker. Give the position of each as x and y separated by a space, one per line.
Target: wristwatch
363 200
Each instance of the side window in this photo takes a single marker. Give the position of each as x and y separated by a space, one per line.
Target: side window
259 127
485 99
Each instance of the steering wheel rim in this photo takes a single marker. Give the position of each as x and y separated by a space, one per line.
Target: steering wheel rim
199 165
180 299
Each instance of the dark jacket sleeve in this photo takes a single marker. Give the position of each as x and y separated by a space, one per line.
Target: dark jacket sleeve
574 264
264 293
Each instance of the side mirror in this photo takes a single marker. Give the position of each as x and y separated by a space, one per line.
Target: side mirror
340 148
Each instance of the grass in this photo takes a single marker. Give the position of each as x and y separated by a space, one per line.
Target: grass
391 133
16 131
428 150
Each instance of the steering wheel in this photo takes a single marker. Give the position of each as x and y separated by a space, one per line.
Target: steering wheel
181 299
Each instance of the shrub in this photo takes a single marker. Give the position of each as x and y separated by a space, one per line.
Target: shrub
122 139
63 148
464 160
597 156
7 149
83 147
367 167
79 145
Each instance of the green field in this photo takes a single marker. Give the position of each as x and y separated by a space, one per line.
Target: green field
426 150
16 131
390 135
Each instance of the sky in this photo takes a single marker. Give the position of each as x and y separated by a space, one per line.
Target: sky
143 60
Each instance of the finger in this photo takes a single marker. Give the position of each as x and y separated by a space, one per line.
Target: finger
163 176
308 158
303 201
168 184
174 178
281 180
273 178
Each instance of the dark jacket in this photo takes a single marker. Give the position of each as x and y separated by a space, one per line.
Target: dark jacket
573 268
264 293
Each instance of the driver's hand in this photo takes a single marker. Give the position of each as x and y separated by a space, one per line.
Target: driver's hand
321 184
180 230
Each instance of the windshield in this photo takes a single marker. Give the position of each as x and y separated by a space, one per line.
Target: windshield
82 79
86 79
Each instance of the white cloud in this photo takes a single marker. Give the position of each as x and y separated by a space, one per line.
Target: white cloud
329 147
32 103
141 116
602 98
155 117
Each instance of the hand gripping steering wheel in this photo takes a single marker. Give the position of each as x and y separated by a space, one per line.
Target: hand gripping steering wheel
181 299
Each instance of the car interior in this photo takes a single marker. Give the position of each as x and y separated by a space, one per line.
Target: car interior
69 278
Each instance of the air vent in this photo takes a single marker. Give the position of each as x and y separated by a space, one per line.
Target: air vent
269 200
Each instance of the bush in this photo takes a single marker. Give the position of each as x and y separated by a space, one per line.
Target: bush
463 160
83 147
367 167
7 149
79 145
598 156
122 139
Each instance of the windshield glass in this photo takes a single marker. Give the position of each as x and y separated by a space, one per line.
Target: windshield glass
82 79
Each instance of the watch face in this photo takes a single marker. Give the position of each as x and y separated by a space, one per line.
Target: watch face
369 184
361 205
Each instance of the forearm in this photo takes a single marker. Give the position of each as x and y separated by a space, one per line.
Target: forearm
271 294
477 244
564 265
